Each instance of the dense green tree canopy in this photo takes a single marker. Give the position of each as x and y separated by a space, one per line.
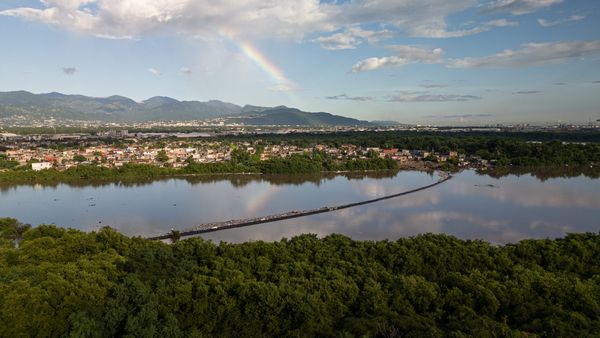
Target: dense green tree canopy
66 283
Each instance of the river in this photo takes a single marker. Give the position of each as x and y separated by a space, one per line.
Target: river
470 206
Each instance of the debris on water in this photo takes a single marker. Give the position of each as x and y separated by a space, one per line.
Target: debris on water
486 185
92 205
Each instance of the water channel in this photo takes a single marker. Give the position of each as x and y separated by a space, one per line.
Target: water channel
470 206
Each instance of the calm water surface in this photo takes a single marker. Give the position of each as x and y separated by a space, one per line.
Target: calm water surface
469 206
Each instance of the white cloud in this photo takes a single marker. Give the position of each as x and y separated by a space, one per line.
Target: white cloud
526 194
419 97
58 14
116 37
405 55
351 37
434 85
153 71
531 55
517 7
440 29
548 23
501 23
350 98
416 18
70 4
292 19
418 53
374 63
200 18
527 92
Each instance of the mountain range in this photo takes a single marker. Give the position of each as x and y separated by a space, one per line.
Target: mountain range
122 109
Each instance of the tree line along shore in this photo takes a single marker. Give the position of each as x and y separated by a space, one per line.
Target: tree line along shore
334 153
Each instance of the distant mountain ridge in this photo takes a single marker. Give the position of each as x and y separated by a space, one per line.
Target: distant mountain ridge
291 116
122 109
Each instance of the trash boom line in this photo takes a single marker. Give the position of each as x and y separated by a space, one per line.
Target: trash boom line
217 226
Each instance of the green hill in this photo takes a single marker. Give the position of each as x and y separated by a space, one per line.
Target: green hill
295 117
122 109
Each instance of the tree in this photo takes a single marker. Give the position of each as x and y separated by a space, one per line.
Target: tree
162 156
240 156
12 229
5 163
190 160
372 154
175 235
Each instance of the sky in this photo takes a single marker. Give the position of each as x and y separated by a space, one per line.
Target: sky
412 61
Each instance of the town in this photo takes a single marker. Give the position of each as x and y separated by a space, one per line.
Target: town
180 152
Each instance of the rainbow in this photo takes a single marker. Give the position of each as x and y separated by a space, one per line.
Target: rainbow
253 54
261 199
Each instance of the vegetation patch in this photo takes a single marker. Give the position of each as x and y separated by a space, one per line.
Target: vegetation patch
63 282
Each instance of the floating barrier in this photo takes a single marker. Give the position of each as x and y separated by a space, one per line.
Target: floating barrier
216 226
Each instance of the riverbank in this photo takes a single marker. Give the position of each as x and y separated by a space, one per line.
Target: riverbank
291 165
544 173
88 175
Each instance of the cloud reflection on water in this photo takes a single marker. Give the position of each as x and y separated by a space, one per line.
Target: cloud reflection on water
513 208
530 192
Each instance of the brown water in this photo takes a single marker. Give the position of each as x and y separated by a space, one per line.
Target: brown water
470 206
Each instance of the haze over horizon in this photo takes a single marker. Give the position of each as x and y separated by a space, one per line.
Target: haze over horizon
427 61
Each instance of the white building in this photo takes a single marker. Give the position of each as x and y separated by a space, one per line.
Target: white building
41 166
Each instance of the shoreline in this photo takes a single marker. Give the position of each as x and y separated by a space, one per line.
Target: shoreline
427 167
217 174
